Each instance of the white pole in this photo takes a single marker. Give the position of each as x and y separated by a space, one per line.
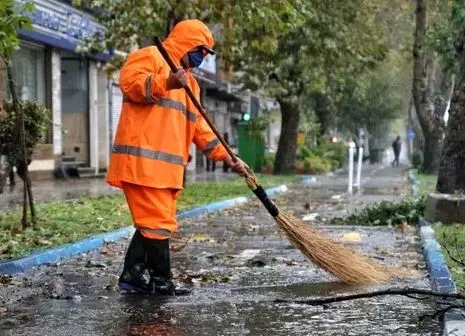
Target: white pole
351 167
359 167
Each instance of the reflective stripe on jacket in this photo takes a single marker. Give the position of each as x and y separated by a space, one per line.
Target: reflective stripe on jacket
157 126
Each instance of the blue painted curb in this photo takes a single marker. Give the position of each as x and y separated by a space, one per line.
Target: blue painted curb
440 277
439 274
67 251
62 252
308 180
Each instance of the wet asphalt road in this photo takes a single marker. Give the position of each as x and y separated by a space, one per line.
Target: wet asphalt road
238 264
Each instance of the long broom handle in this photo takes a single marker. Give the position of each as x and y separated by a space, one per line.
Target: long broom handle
194 100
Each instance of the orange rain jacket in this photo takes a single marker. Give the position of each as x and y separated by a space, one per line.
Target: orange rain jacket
157 126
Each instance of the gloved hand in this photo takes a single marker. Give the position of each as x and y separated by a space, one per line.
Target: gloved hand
176 80
239 166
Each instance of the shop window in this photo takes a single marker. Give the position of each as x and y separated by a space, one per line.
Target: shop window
28 66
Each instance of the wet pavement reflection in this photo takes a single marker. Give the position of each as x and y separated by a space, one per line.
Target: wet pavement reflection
238 265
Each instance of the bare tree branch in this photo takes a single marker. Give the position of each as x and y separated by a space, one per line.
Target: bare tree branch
417 297
451 256
391 291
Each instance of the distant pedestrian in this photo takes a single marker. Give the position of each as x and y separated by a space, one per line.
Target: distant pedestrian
396 147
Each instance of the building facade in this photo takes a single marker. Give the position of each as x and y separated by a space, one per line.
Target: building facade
48 69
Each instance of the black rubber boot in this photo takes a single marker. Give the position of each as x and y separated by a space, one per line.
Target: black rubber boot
132 278
159 266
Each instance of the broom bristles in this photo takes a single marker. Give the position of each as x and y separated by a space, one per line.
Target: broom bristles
343 262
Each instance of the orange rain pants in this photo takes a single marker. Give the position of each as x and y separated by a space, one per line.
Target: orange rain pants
153 210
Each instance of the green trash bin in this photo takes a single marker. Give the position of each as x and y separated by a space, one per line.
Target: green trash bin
376 156
251 147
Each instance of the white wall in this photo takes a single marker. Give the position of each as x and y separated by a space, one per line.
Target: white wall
103 119
93 116
274 129
56 103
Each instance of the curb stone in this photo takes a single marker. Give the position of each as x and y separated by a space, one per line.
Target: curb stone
63 252
439 274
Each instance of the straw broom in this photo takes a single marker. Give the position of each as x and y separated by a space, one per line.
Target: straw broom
343 262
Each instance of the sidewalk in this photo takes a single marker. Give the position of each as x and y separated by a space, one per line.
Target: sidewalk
238 263
57 190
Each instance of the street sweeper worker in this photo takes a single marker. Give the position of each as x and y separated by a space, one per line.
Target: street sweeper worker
158 123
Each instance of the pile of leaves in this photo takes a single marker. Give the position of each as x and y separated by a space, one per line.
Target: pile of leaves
386 213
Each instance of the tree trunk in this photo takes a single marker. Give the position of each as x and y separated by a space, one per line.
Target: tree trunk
27 191
452 168
431 153
430 98
287 145
323 113
410 128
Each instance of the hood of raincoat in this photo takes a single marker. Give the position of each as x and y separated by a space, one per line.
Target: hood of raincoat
185 36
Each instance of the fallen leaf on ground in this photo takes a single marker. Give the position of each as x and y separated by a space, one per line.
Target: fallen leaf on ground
5 279
402 226
291 262
107 250
92 263
112 283
199 237
382 250
310 217
351 237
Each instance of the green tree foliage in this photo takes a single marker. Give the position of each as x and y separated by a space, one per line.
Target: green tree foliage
373 100
244 26
11 19
313 62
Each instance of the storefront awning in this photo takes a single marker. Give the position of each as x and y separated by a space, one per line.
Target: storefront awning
223 95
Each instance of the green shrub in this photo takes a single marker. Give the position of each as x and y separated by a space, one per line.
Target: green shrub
36 119
386 213
299 166
320 159
304 153
336 151
417 159
269 160
317 165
